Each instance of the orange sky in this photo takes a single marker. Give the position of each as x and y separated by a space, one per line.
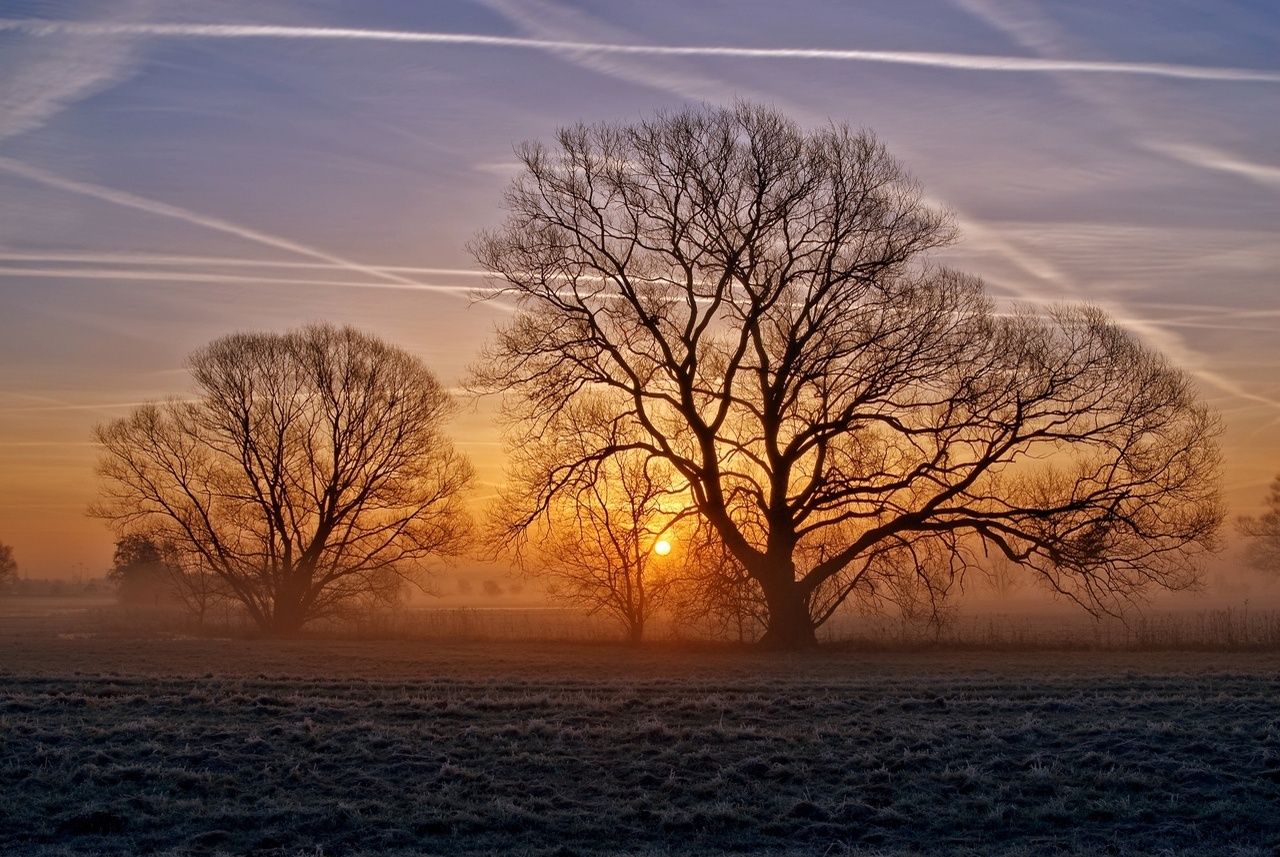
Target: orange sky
157 191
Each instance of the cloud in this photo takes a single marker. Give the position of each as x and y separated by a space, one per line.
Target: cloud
38 81
553 23
1210 158
1032 31
1154 333
1044 284
955 61
1038 34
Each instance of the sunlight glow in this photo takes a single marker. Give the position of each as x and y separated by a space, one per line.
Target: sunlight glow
662 547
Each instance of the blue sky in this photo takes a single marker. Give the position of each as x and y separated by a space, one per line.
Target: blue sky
160 186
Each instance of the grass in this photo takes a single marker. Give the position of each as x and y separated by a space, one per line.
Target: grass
125 745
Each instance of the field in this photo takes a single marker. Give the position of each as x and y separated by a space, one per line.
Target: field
118 744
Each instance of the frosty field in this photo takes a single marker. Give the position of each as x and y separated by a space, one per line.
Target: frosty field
119 745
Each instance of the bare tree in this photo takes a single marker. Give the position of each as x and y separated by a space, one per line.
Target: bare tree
310 470
715 596
1002 577
758 301
602 539
8 567
1262 534
148 570
196 584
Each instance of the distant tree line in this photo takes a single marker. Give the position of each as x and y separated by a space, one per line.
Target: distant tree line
736 389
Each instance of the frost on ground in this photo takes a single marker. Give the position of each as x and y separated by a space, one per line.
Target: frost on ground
119 746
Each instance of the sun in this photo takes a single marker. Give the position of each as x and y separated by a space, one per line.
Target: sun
662 547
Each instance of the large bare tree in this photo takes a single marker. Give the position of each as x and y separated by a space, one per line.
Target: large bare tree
310 469
846 416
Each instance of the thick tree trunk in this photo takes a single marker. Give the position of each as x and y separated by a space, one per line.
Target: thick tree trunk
635 632
288 615
284 624
790 625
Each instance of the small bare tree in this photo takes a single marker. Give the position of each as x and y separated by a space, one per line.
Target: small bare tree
715 596
310 470
8 567
758 302
1262 534
599 539
195 584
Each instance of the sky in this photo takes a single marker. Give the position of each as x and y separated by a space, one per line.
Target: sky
174 171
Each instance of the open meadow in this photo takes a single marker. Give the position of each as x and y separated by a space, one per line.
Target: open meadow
164 744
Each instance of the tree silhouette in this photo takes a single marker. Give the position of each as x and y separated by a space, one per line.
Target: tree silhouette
310 470
758 302
1262 534
593 538
716 596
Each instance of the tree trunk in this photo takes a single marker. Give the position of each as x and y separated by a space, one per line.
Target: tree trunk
287 618
635 632
790 625
284 624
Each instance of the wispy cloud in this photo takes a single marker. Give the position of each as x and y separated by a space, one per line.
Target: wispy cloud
37 82
1061 287
553 23
1036 33
1041 282
955 61
1032 31
1211 158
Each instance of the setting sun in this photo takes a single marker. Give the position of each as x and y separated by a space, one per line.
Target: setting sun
662 547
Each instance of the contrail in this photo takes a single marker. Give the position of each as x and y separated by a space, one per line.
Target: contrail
162 209
969 62
95 406
180 276
1216 159
482 295
1039 36
218 261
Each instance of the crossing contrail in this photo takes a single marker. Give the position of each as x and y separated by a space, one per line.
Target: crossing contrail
968 62
162 209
